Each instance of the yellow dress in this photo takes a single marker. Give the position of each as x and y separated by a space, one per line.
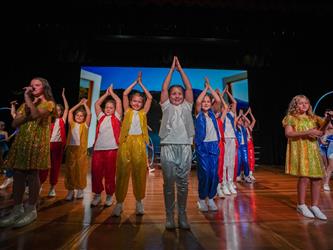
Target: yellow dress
303 156
31 147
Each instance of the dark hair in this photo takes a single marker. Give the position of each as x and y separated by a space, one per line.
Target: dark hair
137 93
80 109
47 88
176 86
61 107
210 96
110 101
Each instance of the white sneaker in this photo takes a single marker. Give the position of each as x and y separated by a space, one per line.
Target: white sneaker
139 208
202 206
79 194
305 211
252 177
70 195
108 201
231 188
248 179
225 189
239 179
211 205
326 187
117 210
52 192
6 183
28 217
234 185
219 191
96 200
16 213
319 214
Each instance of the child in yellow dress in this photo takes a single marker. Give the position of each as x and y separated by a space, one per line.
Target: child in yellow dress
303 159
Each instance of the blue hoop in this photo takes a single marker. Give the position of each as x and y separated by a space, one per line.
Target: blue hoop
315 107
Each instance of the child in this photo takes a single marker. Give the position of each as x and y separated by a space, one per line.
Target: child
303 157
132 155
3 151
76 154
30 152
176 133
207 148
57 145
103 164
249 125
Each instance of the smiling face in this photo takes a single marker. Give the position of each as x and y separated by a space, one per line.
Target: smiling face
38 87
206 103
136 102
303 105
79 117
176 96
109 108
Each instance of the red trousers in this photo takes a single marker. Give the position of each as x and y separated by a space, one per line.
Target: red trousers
56 151
103 165
251 156
221 161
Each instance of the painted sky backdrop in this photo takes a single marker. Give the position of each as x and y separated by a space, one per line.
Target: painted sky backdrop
153 78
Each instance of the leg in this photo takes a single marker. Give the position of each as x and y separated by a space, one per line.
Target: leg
315 194
97 166
110 172
301 189
56 160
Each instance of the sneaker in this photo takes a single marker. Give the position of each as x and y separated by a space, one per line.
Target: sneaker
96 200
70 195
52 192
6 183
13 217
28 217
248 179
239 179
170 222
139 208
211 205
117 210
252 177
79 194
304 210
326 187
234 185
225 189
319 214
182 221
219 191
232 189
151 170
202 206
26 190
108 201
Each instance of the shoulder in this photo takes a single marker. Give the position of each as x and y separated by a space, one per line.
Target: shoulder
289 120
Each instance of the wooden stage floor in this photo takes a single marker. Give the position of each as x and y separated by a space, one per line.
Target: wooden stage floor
261 216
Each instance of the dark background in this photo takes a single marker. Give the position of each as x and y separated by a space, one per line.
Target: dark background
286 47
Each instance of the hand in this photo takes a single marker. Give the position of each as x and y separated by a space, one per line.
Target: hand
207 84
110 89
218 91
314 133
178 66
63 92
140 77
83 101
13 103
173 65
28 90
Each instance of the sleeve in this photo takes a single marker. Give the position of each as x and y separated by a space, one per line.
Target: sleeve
187 105
320 121
288 121
117 115
100 115
165 105
21 110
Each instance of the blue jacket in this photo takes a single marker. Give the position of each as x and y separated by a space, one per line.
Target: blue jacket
200 127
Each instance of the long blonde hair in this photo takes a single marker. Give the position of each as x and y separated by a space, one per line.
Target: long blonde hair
293 109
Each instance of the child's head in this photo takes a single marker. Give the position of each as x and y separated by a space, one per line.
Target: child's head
41 87
176 94
59 110
207 102
80 115
2 125
240 121
299 105
110 107
136 101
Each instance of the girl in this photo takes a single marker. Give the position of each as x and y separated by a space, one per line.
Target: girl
249 125
132 156
303 156
76 154
104 156
57 145
30 151
176 133
207 148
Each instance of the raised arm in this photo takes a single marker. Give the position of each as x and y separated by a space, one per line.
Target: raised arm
186 81
201 97
65 114
88 118
100 100
147 93
253 120
213 92
166 83
35 112
224 105
119 108
71 111
233 101
126 93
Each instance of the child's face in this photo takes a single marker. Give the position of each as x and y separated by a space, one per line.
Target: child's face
136 102
206 103
176 96
59 111
303 105
79 117
38 88
109 108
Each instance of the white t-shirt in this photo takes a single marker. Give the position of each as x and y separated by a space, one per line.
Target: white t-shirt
106 139
178 133
229 131
75 139
56 136
135 128
210 130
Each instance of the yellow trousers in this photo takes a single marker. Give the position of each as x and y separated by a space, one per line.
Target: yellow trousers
76 168
131 160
